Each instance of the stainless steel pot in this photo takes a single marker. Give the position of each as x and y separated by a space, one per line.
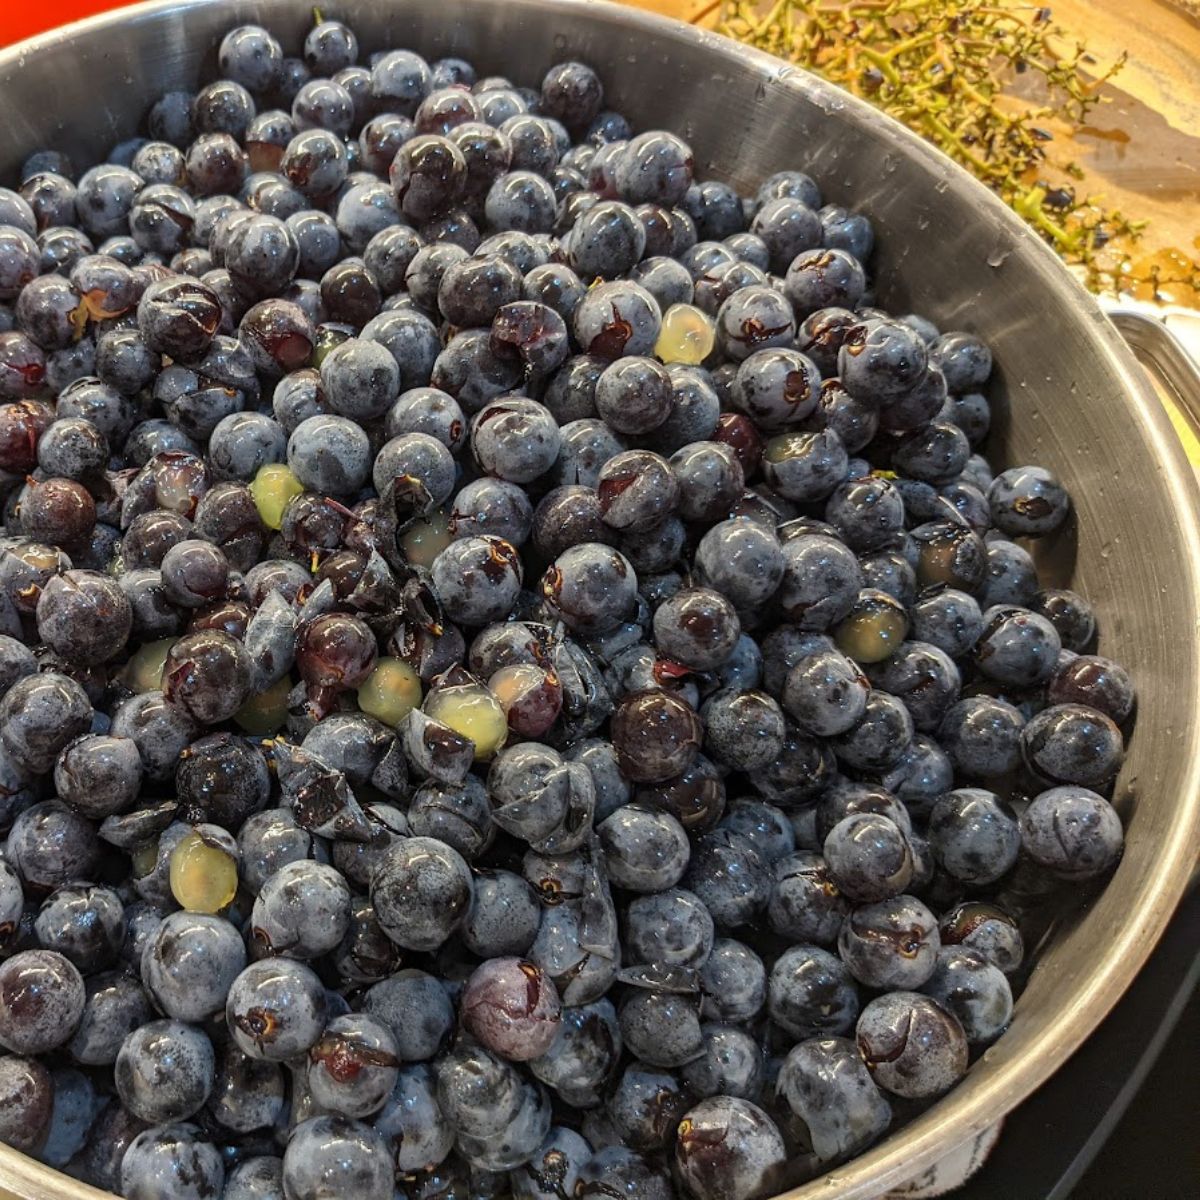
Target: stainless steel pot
1067 394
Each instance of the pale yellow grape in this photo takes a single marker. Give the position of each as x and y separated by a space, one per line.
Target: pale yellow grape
474 712
143 671
204 878
871 635
426 538
687 335
144 859
390 692
265 713
272 489
510 683
783 447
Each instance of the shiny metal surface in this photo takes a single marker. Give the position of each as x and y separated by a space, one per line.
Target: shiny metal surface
1163 352
1068 392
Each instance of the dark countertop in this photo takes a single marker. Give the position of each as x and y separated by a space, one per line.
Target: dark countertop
1121 1121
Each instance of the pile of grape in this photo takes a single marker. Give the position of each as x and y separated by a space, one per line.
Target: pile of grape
514 677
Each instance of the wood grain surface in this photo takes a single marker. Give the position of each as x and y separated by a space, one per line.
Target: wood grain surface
1141 148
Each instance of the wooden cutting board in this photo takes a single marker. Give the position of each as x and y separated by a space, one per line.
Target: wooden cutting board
1141 149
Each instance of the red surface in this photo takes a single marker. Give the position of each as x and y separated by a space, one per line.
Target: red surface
23 18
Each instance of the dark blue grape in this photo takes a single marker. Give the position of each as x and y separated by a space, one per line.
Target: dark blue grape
334 1153
913 1046
1073 744
165 1071
829 1088
171 1157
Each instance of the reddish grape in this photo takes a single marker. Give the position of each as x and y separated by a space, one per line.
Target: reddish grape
336 652
21 425
512 1008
